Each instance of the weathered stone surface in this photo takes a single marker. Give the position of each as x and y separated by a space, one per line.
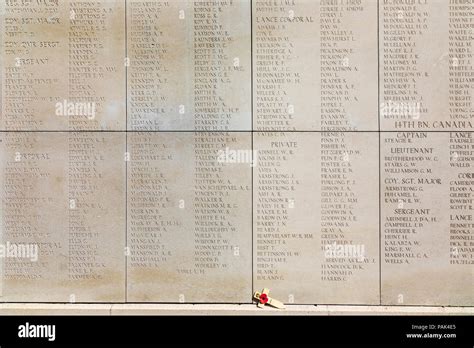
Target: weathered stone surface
316 217
63 195
62 65
197 151
427 218
189 218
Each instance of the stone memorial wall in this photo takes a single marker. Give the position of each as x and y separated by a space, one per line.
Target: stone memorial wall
172 151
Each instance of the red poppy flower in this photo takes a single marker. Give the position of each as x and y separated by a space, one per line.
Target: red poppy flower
263 298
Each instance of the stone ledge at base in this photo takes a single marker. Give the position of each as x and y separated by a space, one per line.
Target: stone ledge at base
221 309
